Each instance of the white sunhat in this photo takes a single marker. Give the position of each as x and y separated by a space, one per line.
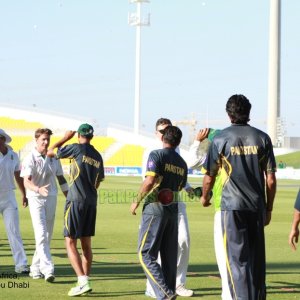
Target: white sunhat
7 137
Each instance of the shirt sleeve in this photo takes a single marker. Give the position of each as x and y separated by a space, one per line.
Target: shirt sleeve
297 202
271 162
144 162
196 157
67 151
152 167
59 170
101 171
211 163
27 167
17 163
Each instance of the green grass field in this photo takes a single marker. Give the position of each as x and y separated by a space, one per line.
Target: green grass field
116 273
290 159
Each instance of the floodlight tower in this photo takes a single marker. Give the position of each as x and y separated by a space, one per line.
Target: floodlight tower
134 19
274 71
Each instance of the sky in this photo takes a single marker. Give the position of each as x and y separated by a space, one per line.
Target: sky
78 57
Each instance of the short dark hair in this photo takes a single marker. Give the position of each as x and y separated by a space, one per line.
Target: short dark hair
238 109
172 135
163 121
41 131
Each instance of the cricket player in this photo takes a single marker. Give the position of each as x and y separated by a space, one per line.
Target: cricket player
86 173
166 175
40 173
183 226
244 156
10 170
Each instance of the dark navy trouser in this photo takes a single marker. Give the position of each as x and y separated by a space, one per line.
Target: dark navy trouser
244 239
159 233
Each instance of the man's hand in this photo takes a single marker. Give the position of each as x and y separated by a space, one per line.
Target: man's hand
133 207
202 134
293 238
24 201
190 192
205 202
43 190
69 134
268 217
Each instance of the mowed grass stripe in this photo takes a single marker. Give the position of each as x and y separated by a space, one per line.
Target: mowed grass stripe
116 272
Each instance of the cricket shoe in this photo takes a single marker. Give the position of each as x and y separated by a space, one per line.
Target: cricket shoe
49 277
183 292
80 289
22 270
150 294
36 275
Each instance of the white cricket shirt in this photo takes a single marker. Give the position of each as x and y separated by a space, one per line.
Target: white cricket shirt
43 171
9 164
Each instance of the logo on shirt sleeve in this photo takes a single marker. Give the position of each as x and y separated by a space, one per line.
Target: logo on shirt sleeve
150 164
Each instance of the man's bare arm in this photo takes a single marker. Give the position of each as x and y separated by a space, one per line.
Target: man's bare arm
68 135
208 183
146 187
270 193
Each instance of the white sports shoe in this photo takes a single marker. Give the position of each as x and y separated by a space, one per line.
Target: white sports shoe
183 292
150 294
36 275
80 289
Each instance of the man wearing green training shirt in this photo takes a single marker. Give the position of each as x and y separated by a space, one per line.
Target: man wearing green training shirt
197 156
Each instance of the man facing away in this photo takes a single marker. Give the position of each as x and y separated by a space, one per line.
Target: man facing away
244 156
166 175
86 173
183 226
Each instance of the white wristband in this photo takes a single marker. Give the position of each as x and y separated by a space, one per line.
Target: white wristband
37 190
64 187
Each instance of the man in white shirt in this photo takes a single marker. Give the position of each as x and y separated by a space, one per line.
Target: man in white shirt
10 170
183 227
39 172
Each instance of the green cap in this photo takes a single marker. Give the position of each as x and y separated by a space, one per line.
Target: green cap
212 133
86 130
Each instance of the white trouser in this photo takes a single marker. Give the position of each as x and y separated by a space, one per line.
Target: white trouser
183 253
221 256
9 210
42 211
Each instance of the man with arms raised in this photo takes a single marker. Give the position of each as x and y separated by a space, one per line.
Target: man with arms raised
81 206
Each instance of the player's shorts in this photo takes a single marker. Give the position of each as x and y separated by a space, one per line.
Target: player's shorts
79 219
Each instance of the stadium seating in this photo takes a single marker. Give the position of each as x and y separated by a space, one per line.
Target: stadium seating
101 143
19 142
8 124
114 152
128 155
